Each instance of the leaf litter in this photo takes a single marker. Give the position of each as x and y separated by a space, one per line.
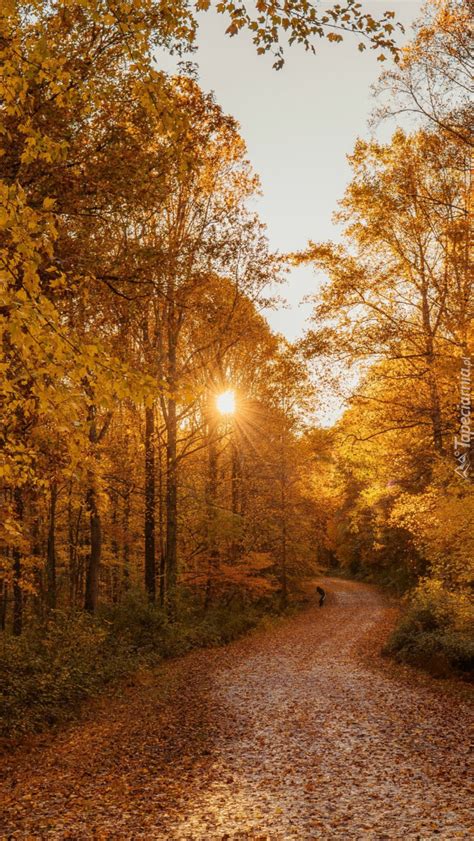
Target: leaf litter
298 731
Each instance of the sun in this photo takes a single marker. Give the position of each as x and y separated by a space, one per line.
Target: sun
226 402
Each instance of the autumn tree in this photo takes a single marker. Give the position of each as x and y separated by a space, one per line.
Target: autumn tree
432 82
396 318
401 290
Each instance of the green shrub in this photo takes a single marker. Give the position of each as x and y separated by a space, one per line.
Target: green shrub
435 629
225 623
48 671
136 622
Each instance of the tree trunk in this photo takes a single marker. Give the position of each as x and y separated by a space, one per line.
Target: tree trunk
126 541
429 334
92 576
150 570
236 546
75 585
17 626
284 583
171 510
161 528
37 553
435 412
283 515
51 550
3 604
211 503
171 457
114 572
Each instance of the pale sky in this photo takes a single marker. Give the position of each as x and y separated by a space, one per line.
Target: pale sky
299 124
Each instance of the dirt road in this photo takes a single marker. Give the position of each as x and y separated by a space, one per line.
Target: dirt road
300 731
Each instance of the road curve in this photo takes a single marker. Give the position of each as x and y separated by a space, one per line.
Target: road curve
299 731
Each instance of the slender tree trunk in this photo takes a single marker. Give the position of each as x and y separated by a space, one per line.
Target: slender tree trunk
93 569
435 403
436 419
92 577
83 550
161 527
71 553
171 510
126 541
114 572
429 335
236 547
150 563
283 514
171 457
235 478
38 554
75 583
211 503
284 582
51 549
3 604
17 626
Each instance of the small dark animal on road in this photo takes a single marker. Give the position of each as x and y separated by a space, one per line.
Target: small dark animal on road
322 595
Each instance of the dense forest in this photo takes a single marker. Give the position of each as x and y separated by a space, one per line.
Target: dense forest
164 482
